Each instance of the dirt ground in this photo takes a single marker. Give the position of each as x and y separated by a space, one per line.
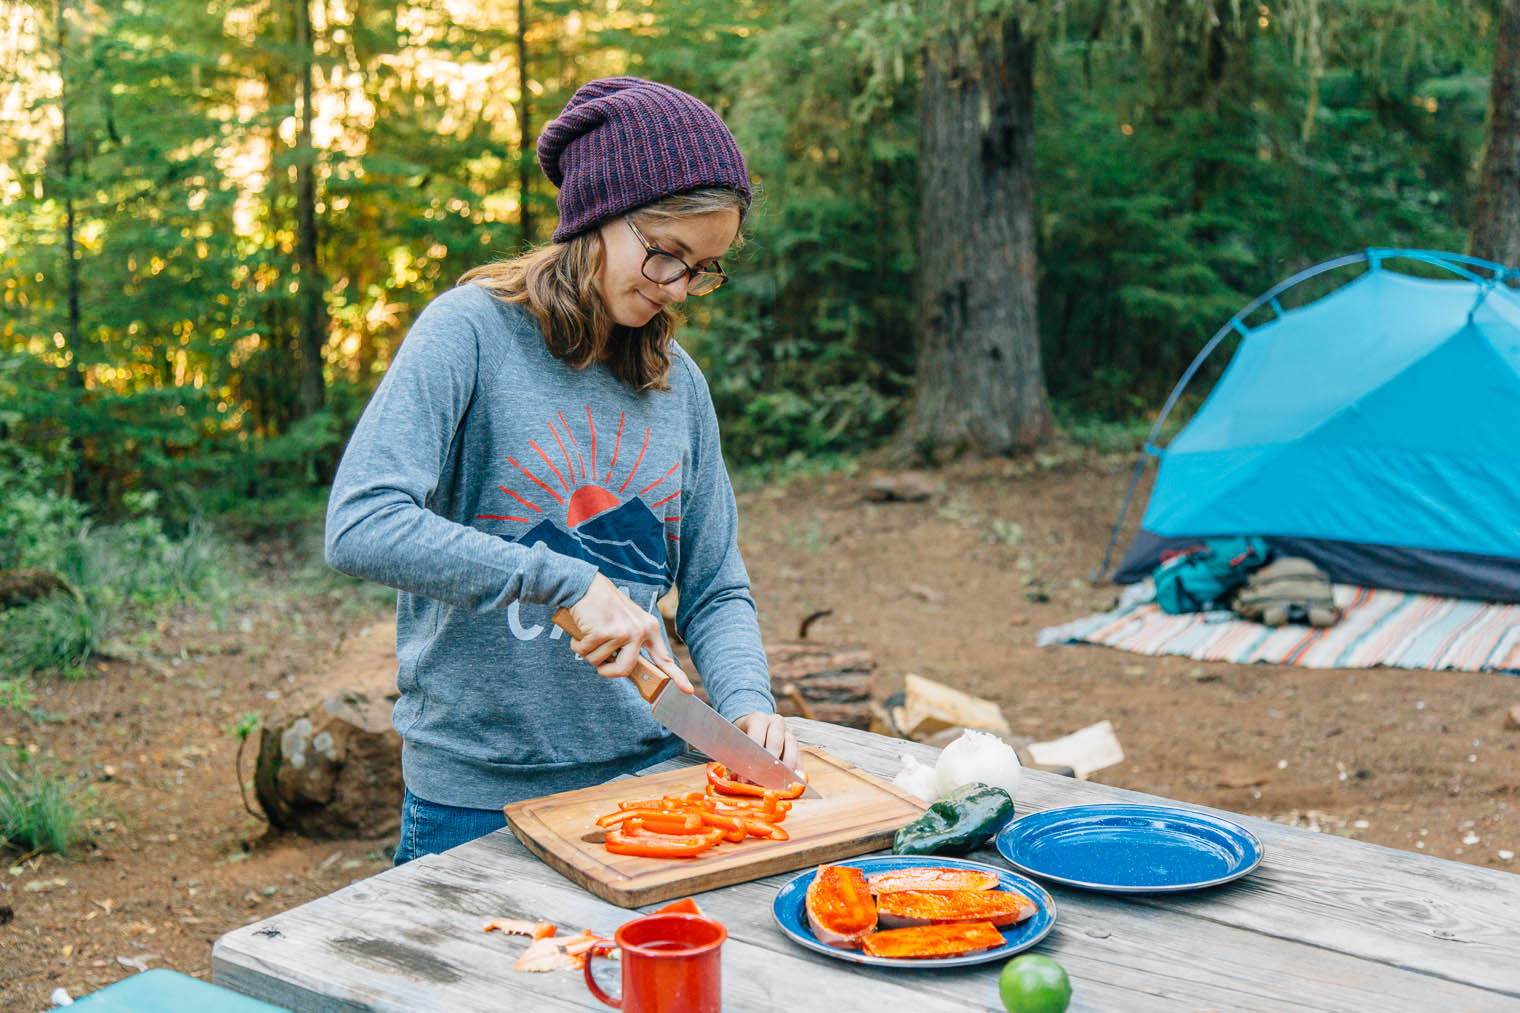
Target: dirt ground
953 588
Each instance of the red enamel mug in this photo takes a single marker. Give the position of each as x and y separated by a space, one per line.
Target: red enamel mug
670 965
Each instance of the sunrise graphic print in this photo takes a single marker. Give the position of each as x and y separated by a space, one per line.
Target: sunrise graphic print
572 506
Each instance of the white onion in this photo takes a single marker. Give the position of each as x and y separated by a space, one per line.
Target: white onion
978 756
918 779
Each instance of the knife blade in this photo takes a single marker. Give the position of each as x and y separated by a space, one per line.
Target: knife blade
701 726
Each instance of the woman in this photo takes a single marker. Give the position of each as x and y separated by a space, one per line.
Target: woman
540 441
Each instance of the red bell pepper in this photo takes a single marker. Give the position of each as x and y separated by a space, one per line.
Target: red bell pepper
647 845
662 823
718 778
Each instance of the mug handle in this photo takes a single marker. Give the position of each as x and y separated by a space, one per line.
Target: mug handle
596 990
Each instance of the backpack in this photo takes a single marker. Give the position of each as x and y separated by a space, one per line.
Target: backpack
1289 590
1201 577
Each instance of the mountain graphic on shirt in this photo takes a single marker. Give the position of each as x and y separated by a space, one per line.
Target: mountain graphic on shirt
563 490
626 543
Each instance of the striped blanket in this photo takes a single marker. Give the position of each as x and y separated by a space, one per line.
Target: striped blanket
1378 627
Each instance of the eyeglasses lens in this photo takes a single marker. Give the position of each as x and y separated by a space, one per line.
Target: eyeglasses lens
662 269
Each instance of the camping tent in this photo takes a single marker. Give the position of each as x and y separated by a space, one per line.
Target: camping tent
1374 430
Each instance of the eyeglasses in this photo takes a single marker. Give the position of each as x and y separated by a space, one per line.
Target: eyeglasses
663 268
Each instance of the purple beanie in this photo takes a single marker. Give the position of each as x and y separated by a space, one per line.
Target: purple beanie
623 142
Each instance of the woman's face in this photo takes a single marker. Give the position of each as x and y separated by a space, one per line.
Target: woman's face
633 299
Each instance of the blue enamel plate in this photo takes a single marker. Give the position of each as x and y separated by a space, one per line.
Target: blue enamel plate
791 913
1119 848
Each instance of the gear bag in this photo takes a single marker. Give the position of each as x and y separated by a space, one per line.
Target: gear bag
1203 576
1288 590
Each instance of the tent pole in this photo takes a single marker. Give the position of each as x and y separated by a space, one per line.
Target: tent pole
1456 263
1113 535
1235 323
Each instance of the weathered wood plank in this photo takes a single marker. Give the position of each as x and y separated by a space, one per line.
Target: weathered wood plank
1428 914
1325 923
1131 959
415 931
414 941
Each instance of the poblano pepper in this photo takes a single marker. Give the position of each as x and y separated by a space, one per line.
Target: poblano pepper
957 823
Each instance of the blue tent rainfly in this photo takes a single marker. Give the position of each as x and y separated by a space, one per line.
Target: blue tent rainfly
1375 430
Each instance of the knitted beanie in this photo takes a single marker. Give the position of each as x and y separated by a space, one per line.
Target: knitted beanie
623 142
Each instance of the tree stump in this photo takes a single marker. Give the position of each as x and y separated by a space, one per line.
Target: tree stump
333 772
823 681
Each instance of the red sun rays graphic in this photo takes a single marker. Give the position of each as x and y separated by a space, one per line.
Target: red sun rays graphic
588 496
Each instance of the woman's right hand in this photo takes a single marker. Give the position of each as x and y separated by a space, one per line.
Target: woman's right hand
613 632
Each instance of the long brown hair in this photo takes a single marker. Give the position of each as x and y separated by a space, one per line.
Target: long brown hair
557 284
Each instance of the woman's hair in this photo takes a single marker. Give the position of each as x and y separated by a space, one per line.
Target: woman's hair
557 284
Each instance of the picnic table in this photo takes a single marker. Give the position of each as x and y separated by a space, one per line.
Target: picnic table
1324 923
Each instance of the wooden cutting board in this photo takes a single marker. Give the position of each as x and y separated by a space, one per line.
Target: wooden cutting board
857 813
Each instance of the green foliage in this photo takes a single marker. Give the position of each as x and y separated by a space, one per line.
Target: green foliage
1106 436
16 694
118 574
36 528
1189 156
247 724
776 473
810 350
57 635
139 563
1173 189
38 811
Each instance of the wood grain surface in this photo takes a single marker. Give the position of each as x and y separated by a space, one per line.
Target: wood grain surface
858 812
1325 923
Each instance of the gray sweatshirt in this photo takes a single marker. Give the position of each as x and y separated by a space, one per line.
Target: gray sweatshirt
489 482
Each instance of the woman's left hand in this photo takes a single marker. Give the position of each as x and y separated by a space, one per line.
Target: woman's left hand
770 731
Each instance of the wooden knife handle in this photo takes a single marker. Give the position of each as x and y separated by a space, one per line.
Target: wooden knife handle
647 679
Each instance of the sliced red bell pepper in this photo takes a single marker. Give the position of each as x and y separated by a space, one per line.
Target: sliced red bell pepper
661 823
772 810
718 777
691 799
733 830
624 815
647 845
759 828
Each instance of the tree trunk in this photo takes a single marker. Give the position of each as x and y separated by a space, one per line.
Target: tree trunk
271 377
70 240
1496 216
77 480
525 154
313 308
980 385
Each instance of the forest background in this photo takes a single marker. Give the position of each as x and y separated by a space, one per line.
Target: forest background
218 218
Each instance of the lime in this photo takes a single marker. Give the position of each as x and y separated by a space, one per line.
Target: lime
1034 984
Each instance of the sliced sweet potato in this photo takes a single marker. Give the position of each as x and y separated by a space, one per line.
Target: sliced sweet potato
932 879
916 907
839 906
926 941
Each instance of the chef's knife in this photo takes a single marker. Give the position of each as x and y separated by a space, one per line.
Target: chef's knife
700 725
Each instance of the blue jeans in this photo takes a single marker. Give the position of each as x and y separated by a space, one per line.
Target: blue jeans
428 828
